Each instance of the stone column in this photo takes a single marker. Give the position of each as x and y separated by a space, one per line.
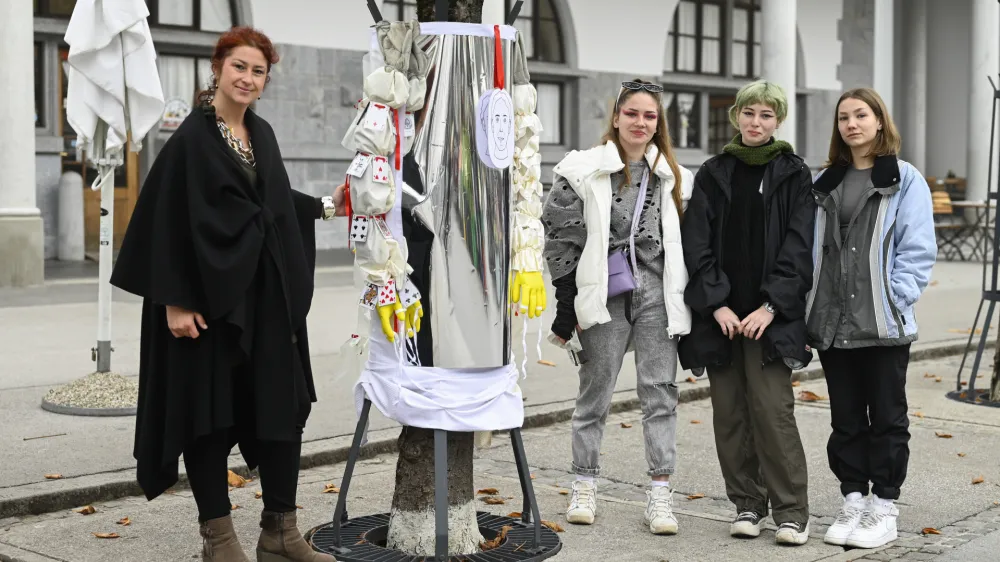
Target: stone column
882 52
985 61
778 54
915 71
22 241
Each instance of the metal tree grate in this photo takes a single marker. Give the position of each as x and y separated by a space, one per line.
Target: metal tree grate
365 537
977 397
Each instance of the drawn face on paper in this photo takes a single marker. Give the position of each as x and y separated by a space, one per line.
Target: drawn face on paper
498 121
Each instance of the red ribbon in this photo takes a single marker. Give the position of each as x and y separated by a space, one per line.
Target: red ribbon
498 56
399 138
348 209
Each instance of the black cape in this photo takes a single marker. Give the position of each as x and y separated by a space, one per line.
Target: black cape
203 237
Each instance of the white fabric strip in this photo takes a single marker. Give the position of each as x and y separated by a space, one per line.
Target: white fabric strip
507 32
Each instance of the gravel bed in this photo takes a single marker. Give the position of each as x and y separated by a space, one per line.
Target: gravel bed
97 390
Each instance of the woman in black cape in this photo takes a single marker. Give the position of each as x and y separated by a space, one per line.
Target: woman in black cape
222 250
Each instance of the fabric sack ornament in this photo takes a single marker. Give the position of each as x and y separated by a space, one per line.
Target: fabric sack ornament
387 85
381 257
372 130
621 271
374 193
495 117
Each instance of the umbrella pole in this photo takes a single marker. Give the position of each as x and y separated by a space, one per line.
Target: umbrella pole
106 173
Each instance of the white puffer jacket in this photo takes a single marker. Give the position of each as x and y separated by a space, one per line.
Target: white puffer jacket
588 173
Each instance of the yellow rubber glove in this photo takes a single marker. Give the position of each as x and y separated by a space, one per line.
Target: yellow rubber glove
414 313
528 291
386 313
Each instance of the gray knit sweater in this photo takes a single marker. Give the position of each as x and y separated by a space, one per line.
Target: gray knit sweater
566 233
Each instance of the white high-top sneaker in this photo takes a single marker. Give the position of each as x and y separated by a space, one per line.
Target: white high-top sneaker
660 511
847 519
583 503
877 526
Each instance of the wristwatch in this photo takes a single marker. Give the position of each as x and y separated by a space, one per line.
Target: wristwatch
769 307
329 209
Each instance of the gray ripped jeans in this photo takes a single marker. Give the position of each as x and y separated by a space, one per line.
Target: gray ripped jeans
642 318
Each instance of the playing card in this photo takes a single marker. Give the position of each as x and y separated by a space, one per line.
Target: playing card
380 169
369 296
410 294
409 126
387 293
383 228
377 117
359 164
359 228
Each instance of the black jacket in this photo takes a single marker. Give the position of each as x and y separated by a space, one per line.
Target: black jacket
203 237
789 217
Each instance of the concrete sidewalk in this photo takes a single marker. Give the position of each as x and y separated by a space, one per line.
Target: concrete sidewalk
939 493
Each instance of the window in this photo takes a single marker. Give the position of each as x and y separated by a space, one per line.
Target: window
181 79
683 118
550 110
205 15
720 130
399 10
746 38
695 40
54 8
39 85
538 23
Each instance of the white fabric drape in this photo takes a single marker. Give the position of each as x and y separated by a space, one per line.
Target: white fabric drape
177 75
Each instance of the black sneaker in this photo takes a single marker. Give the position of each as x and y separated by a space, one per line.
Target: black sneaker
792 534
746 525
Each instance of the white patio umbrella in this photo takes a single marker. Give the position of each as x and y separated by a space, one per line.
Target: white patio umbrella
114 94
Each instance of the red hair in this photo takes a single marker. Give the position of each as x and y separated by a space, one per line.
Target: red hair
244 36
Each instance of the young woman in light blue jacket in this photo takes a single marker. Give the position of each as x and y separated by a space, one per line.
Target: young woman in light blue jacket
874 250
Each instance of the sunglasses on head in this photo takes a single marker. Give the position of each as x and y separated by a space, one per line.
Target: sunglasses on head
635 86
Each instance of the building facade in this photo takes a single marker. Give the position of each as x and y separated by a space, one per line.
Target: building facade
930 60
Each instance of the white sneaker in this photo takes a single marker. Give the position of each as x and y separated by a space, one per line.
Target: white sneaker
583 503
847 520
877 526
792 534
746 525
660 511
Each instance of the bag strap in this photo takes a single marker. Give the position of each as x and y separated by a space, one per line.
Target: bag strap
636 214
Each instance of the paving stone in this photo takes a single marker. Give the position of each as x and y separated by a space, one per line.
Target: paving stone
936 549
918 556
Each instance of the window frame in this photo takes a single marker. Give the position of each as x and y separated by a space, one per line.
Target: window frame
751 42
41 111
154 16
536 21
41 8
399 7
674 36
561 136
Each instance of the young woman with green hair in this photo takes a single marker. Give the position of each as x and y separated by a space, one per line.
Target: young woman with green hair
747 237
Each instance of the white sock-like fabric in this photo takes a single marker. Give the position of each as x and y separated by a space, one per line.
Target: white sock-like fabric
585 477
881 502
854 496
658 484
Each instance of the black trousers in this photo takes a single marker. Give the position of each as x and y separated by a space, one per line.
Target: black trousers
870 439
207 471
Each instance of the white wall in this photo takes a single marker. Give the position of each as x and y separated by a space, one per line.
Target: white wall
818 22
330 24
948 87
641 27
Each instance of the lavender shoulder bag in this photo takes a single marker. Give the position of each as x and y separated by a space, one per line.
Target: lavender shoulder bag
621 273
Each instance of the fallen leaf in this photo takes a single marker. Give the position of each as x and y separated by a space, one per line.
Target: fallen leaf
488 491
546 362
626 425
106 535
934 283
86 510
514 515
234 507
695 422
978 480
696 496
299 506
691 379
963 383
258 495
963 395
942 435
497 540
124 521
961 454
796 383
919 415
928 376
493 500
563 492
937 379
930 531
554 526
810 396
533 476
236 481
53 476
330 489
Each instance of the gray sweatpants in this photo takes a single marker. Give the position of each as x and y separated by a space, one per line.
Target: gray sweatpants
640 316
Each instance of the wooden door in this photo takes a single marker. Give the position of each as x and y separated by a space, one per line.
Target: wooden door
126 180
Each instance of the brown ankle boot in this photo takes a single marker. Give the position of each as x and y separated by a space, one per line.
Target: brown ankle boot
219 542
280 541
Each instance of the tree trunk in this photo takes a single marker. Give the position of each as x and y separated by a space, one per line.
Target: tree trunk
411 523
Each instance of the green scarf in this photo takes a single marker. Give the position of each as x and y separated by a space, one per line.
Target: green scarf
756 155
